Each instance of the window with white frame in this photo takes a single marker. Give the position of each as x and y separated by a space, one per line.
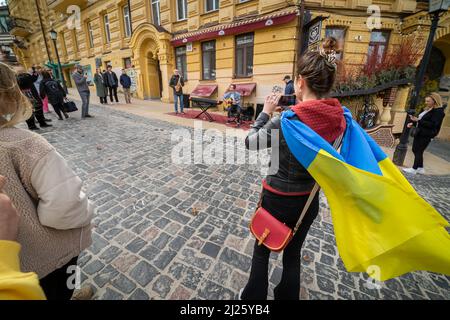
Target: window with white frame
127 21
211 5
181 9
156 12
181 61
90 34
209 60
107 30
379 40
244 55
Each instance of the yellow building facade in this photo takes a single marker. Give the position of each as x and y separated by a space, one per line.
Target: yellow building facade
212 42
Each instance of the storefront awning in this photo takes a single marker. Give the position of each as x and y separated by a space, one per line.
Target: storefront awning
204 90
245 89
243 25
63 65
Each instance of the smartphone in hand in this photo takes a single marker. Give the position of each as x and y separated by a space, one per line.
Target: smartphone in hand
287 101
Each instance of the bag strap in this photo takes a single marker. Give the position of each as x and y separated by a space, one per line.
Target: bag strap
316 188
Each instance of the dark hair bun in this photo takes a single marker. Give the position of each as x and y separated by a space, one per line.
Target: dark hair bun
329 45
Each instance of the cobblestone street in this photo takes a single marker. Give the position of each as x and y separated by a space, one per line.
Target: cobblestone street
149 243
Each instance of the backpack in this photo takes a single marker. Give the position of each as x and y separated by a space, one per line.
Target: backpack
54 91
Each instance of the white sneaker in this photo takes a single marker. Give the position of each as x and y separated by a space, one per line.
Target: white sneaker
421 170
410 170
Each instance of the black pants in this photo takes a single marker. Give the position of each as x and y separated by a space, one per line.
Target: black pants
287 210
38 114
113 90
419 145
235 112
103 100
55 284
59 109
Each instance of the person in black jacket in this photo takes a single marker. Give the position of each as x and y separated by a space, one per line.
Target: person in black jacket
428 124
289 89
125 81
112 83
52 89
287 188
26 85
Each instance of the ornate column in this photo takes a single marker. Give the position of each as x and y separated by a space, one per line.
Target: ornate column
388 101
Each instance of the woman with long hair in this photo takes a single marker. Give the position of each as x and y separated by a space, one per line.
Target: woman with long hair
427 125
285 193
51 89
55 215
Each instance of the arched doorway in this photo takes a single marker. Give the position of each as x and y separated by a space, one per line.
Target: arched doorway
152 59
150 71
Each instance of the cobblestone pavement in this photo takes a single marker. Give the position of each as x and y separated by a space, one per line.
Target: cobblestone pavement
148 243
440 148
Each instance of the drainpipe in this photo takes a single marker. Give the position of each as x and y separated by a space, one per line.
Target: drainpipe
131 20
301 12
42 29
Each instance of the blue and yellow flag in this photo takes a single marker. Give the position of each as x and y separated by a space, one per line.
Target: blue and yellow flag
379 219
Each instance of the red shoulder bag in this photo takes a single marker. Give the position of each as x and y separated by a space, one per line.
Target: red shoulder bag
271 232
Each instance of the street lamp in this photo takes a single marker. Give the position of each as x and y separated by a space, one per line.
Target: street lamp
54 36
436 7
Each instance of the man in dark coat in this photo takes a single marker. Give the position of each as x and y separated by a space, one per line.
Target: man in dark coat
289 89
125 81
26 84
112 83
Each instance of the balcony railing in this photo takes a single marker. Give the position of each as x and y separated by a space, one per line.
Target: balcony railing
6 39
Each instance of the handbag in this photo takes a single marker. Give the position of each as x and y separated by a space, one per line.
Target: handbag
69 106
413 131
271 232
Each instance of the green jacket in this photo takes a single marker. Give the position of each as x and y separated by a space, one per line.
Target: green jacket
100 85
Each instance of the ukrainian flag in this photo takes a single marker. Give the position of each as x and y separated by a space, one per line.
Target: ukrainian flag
380 221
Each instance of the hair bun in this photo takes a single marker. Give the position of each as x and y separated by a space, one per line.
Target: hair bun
329 45
328 51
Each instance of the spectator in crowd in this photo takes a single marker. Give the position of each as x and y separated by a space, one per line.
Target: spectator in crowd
26 81
80 80
52 90
112 83
125 81
55 213
100 86
289 89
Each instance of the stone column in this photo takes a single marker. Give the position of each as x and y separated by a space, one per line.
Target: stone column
166 67
388 101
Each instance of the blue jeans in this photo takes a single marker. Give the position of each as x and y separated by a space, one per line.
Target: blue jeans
85 103
176 97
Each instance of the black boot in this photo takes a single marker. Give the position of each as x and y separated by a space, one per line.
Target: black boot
45 125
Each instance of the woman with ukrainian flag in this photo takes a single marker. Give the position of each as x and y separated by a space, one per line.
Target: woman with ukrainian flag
380 222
